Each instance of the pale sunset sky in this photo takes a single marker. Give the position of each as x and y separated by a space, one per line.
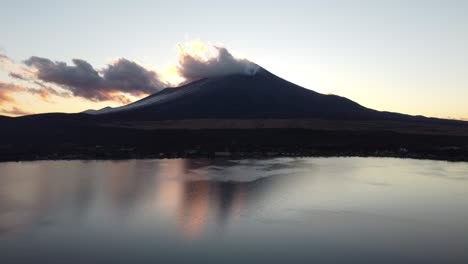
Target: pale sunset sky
401 56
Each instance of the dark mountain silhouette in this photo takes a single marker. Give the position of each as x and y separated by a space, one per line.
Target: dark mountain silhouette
262 95
262 113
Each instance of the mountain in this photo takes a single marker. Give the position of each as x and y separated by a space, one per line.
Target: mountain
262 95
246 97
100 111
244 114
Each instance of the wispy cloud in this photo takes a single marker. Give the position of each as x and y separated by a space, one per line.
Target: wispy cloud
6 91
18 76
15 111
15 70
26 82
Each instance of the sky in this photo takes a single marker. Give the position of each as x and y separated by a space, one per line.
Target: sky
400 56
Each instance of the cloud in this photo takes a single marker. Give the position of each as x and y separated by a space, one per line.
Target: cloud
198 60
16 70
43 91
15 111
5 62
23 74
47 90
7 89
120 80
109 84
18 76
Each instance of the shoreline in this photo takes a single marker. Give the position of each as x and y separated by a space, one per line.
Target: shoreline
91 143
253 155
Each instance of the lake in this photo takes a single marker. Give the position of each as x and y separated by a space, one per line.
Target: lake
282 210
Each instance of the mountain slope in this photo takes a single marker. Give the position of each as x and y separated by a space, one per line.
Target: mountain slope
240 114
259 96
262 95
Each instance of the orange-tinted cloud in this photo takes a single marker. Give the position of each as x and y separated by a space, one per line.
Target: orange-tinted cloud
82 80
110 84
15 111
122 79
6 91
23 75
15 69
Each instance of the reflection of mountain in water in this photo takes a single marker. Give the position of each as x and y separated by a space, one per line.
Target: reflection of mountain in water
193 193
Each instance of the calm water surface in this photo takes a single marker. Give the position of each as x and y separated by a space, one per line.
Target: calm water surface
329 210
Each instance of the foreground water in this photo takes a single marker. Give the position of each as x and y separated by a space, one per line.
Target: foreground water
329 210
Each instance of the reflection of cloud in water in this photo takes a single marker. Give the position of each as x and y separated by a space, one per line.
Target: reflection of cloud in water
194 193
149 207
189 191
193 213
